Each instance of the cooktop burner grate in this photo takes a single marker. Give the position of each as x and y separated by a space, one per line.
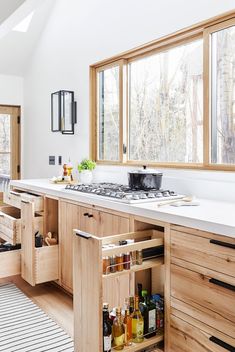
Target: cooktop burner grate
124 193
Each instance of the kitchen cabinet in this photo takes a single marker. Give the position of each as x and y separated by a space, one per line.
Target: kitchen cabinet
189 335
92 287
102 223
41 264
202 290
69 215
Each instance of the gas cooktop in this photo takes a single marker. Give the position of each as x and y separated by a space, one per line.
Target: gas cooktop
123 193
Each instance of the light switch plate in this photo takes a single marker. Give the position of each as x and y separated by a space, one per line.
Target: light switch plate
51 160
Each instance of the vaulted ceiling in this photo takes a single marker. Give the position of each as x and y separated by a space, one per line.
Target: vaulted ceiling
16 48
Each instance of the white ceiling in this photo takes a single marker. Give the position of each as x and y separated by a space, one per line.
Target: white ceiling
7 7
16 48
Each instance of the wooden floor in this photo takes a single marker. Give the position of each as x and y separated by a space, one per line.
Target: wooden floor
51 299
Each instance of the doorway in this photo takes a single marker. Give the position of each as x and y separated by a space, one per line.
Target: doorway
9 145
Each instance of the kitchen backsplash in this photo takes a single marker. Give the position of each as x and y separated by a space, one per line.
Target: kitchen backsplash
203 184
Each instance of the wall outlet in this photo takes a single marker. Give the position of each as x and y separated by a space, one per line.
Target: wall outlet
59 160
51 160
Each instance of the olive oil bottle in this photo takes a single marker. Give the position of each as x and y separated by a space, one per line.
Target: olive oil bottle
118 331
137 323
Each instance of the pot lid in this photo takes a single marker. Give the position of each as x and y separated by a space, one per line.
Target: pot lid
144 170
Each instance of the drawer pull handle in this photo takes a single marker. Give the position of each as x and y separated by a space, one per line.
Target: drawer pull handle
23 201
85 214
15 193
223 244
90 216
221 343
222 284
1 215
83 234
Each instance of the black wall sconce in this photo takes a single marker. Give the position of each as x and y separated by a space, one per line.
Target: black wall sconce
63 112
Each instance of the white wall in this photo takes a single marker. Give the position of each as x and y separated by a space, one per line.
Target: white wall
11 90
78 34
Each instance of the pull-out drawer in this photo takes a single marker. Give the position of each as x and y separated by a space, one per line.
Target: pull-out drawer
46 265
14 198
41 264
9 263
187 337
204 294
205 249
10 224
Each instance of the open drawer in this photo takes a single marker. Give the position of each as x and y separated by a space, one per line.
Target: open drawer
14 198
46 265
41 264
10 263
10 224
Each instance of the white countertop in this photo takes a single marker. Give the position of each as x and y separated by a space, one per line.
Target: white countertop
213 216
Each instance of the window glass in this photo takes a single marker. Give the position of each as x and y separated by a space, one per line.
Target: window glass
223 96
108 114
166 106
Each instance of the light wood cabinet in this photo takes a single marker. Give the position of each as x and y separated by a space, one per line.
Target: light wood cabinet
102 223
202 291
186 335
37 264
69 215
92 287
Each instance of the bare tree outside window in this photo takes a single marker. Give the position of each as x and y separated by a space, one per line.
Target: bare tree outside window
5 142
108 114
223 96
165 106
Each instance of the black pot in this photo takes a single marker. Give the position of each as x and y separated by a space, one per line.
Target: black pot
145 179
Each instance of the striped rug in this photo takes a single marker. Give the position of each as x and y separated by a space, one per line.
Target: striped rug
24 327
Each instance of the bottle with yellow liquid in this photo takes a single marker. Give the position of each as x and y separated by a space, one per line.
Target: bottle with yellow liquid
137 323
118 331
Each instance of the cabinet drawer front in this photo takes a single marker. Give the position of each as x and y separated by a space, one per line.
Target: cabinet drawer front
46 264
10 263
185 337
15 197
10 224
213 252
213 296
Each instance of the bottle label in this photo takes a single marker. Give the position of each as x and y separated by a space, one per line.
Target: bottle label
152 320
107 343
119 340
139 328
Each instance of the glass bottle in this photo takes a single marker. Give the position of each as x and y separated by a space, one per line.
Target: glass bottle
137 323
118 331
107 329
131 304
148 311
128 327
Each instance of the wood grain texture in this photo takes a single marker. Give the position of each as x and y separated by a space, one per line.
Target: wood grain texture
30 224
46 266
27 242
102 223
185 337
87 294
10 224
197 249
68 221
10 263
195 289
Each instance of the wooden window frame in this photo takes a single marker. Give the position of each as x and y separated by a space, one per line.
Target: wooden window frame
201 30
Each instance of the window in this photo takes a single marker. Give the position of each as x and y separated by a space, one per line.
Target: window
165 106
223 96
170 102
108 114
